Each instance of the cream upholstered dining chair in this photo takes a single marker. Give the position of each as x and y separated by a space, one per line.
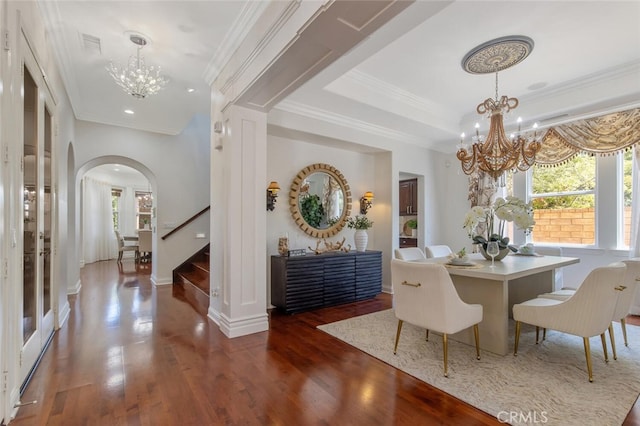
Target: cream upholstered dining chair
123 246
437 251
587 313
623 305
410 254
424 296
558 276
626 297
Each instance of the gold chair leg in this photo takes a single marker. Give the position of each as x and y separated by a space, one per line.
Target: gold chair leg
427 335
613 341
445 347
515 346
476 334
395 348
537 333
604 347
587 353
623 324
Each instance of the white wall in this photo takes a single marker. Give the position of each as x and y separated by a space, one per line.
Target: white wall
285 158
440 199
178 169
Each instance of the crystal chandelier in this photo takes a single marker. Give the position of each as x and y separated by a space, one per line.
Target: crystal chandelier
137 79
497 153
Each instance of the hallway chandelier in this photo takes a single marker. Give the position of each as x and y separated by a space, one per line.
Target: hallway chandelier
137 79
496 153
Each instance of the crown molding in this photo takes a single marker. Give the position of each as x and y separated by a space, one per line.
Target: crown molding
262 42
578 85
381 87
417 108
59 45
582 83
140 127
242 25
342 120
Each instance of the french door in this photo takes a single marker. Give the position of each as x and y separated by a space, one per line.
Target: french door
37 212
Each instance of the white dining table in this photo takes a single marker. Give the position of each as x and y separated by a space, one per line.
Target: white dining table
512 280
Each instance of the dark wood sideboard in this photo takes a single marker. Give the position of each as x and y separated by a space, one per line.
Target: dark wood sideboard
313 281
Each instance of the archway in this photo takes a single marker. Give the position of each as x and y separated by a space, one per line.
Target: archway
150 186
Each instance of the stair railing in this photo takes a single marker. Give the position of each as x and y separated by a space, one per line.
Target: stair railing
186 222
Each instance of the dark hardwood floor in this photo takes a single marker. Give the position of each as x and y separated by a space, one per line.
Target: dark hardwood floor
132 354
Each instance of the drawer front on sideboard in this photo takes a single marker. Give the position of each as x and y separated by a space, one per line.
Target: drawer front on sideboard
303 283
339 280
368 275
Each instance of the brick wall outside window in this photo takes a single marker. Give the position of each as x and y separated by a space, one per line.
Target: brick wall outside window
571 226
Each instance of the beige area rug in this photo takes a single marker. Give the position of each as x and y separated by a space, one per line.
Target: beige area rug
545 384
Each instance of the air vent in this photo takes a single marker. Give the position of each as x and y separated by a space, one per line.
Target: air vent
91 44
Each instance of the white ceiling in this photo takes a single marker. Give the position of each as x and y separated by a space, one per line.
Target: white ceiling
404 81
119 175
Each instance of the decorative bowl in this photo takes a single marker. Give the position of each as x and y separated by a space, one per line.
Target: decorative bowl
460 260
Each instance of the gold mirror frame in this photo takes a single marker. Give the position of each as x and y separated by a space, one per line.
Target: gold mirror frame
295 206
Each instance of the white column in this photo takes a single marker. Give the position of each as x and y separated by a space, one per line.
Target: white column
238 235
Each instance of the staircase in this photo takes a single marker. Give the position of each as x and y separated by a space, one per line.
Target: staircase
191 281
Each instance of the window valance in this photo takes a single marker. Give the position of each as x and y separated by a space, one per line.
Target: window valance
603 135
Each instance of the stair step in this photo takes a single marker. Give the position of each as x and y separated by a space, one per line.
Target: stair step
191 280
203 265
193 295
197 279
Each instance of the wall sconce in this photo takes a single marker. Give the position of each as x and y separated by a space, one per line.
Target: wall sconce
365 202
272 194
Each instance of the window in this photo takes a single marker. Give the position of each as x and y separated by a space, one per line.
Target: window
115 207
144 202
563 199
625 181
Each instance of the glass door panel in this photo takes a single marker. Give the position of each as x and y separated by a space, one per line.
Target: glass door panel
38 214
30 208
47 225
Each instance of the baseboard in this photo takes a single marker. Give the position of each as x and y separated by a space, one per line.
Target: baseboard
243 326
158 282
14 403
214 315
75 289
63 314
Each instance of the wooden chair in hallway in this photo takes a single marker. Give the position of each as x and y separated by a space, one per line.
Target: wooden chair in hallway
123 246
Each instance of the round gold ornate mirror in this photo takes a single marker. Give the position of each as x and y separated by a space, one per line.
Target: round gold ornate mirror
320 200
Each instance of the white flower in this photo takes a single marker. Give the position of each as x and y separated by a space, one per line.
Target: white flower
474 217
509 209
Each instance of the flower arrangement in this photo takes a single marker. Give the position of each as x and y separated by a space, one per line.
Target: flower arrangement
359 222
484 224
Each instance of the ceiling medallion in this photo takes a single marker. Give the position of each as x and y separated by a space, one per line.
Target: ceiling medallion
496 153
497 55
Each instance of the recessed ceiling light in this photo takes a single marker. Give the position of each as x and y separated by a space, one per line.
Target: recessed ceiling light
191 90
128 111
